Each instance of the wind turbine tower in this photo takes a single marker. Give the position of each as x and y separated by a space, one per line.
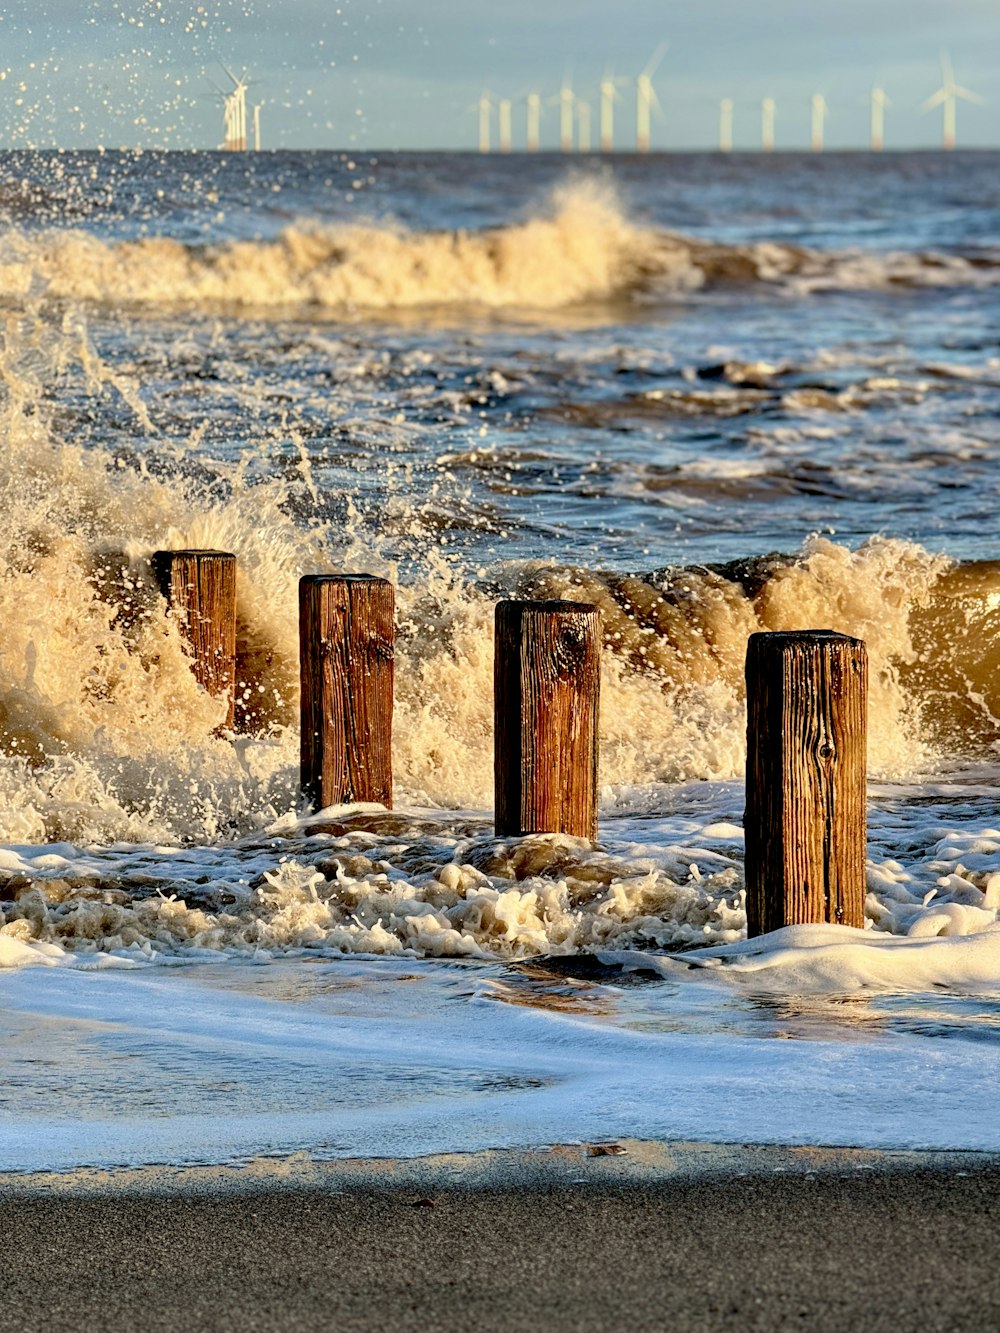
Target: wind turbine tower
503 117
947 97
646 99
767 125
234 114
484 107
533 121
609 96
819 110
582 126
256 126
726 125
566 101
879 102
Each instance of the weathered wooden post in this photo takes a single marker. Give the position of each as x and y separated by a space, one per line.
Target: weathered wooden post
200 587
346 647
807 694
546 682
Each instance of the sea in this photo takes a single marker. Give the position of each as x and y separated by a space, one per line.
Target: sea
710 394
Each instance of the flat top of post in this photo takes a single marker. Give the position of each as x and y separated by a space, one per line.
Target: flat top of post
553 605
342 578
787 637
194 551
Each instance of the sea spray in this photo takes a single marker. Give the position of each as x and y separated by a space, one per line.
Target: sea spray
106 735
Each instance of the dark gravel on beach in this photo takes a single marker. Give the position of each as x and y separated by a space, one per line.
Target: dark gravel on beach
862 1251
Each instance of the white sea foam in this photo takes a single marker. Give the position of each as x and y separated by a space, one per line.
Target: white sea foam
952 945
356 1060
431 885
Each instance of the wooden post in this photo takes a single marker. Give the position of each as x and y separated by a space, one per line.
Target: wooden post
200 587
546 684
346 646
807 694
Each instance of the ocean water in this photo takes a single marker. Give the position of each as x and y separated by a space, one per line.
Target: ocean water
712 395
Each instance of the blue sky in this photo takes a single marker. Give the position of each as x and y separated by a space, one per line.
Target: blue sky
395 73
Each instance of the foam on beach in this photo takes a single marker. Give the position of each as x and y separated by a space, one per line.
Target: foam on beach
400 1059
412 885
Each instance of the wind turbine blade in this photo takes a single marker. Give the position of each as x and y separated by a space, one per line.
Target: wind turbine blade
936 99
967 96
947 70
654 62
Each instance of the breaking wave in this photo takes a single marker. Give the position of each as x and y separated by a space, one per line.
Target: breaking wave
105 735
581 247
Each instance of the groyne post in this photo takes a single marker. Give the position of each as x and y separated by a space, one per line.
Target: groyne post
547 671
200 588
806 779
346 647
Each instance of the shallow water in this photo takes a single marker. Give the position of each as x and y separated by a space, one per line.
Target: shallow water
631 381
401 1059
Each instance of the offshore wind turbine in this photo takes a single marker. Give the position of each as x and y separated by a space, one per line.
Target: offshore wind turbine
947 97
879 102
646 99
819 110
726 125
609 96
565 99
484 108
767 125
582 126
504 124
234 113
533 121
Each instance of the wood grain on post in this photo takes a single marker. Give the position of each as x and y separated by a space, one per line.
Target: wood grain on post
346 647
805 819
200 587
546 677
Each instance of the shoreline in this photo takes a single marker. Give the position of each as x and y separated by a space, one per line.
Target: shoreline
694 1236
617 1163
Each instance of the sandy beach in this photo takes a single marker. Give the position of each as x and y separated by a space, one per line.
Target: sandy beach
731 1238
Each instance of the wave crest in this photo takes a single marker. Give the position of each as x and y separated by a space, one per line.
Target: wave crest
581 247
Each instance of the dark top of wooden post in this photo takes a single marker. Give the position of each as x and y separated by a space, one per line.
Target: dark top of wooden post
200 587
547 672
806 790
346 641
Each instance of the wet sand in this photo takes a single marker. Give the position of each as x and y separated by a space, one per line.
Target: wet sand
774 1240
